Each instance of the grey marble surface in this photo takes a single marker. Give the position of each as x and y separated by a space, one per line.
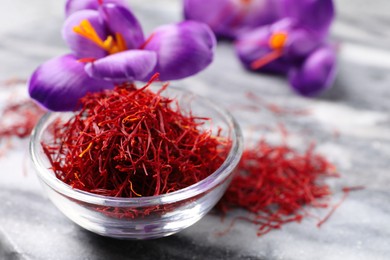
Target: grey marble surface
357 107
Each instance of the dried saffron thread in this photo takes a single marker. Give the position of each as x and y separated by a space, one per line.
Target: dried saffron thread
346 191
274 183
130 142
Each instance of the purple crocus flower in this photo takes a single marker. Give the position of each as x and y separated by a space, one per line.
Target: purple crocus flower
274 48
108 47
230 18
290 45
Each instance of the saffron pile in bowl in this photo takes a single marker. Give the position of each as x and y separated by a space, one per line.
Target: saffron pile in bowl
130 142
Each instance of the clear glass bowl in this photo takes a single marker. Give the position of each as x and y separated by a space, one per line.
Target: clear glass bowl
161 215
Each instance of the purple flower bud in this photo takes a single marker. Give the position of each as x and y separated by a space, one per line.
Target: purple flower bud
316 73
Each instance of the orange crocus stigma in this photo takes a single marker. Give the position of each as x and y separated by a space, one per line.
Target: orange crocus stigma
276 42
110 44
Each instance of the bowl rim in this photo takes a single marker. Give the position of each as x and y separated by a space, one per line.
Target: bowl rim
212 181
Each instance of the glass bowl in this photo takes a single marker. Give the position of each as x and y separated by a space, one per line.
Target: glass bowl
143 217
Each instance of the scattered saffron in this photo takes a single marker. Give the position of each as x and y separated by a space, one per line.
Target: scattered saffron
12 82
274 183
19 119
130 142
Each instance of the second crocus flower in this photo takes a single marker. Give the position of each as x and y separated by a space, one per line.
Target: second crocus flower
295 45
287 37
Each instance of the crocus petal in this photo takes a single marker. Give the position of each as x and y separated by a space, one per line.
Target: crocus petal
59 83
120 20
301 43
229 18
253 45
316 15
81 46
316 74
77 5
123 66
182 49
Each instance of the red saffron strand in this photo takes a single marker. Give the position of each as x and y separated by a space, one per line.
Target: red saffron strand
147 41
264 60
130 142
86 60
346 191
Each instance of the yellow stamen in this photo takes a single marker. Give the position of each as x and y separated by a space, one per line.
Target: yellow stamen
111 45
278 40
120 41
86 150
108 43
86 30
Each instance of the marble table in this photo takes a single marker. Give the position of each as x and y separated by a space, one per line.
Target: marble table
357 108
